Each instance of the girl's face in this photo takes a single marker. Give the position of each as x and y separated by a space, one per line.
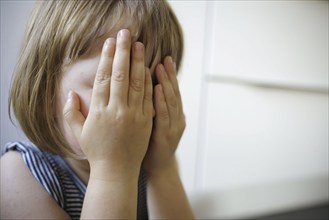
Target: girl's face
79 77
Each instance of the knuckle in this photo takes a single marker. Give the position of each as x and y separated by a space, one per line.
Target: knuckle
102 76
122 116
118 76
148 97
138 57
123 45
67 113
172 103
163 115
137 85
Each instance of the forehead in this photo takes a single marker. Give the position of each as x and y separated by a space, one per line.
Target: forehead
85 66
111 29
97 46
118 20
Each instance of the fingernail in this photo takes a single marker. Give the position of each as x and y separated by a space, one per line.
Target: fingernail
162 68
109 42
138 46
170 60
123 33
70 96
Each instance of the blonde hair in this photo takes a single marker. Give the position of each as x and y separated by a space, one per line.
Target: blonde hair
66 30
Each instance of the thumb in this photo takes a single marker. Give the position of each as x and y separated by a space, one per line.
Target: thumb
73 115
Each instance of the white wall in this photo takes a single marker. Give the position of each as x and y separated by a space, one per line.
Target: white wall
14 15
255 88
254 83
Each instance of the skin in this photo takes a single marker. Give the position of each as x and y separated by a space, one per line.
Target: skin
107 117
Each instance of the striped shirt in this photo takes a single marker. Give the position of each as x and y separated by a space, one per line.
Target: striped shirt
61 182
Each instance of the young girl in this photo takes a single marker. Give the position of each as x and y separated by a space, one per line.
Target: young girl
103 137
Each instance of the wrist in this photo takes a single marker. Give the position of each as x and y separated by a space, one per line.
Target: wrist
166 171
111 193
105 171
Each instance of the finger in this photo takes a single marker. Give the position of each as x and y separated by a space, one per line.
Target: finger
170 67
73 115
148 90
120 72
169 94
101 89
137 76
161 112
171 70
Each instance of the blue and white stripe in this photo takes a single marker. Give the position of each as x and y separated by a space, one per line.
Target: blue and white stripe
60 181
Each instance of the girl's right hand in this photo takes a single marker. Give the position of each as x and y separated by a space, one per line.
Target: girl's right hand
115 134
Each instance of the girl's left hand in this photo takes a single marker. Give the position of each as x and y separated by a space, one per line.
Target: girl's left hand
169 122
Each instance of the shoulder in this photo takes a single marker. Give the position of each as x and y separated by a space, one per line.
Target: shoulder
21 195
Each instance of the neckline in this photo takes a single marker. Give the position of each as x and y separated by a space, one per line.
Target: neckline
77 180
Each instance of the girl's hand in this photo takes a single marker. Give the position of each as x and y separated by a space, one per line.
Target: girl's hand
115 135
169 122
